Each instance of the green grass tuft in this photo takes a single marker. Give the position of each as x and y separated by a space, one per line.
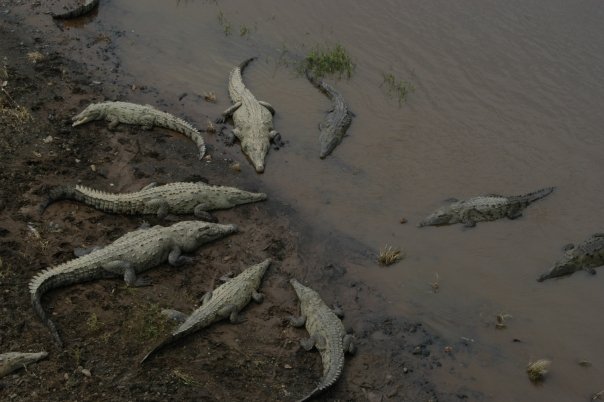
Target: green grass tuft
321 62
397 87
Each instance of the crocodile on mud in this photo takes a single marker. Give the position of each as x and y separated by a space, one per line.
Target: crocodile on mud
253 120
79 11
584 256
131 254
224 302
143 115
483 208
12 361
327 334
175 198
334 126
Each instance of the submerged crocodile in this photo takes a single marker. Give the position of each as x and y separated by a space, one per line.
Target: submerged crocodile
337 121
583 257
253 120
143 115
327 334
175 198
12 361
483 208
79 11
224 302
131 254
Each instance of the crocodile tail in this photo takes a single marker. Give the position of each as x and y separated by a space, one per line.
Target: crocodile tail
37 304
536 195
183 127
59 193
244 63
160 346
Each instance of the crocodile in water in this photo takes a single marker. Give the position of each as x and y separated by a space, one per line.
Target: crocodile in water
224 302
128 256
483 208
143 115
327 334
175 198
253 120
333 127
583 257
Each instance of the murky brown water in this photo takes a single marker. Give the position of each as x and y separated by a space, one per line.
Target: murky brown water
508 99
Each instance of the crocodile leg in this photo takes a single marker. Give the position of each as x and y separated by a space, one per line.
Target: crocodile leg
203 215
275 138
228 113
121 267
230 310
348 342
308 343
297 321
146 122
206 298
176 259
515 212
257 296
113 122
162 207
268 106
231 137
337 310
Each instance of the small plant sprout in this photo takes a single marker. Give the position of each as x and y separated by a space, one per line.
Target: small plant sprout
210 127
396 87
389 255
538 369
436 284
500 318
209 96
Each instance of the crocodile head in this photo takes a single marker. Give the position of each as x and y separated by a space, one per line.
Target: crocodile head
243 197
305 294
13 360
190 235
93 112
256 148
328 139
569 264
441 216
256 272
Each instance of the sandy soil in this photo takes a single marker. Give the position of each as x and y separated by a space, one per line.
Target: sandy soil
106 326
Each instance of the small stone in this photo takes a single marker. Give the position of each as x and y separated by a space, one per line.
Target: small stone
111 184
403 221
77 161
48 139
93 168
37 154
405 370
207 158
235 167
66 376
448 349
86 372
226 259
287 366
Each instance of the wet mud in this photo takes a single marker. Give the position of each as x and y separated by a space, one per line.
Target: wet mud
108 327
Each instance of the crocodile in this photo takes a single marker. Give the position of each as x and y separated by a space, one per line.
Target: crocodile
79 11
176 198
327 334
224 302
334 126
483 208
12 361
253 120
585 256
144 115
131 254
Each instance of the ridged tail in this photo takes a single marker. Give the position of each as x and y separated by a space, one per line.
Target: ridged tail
244 63
536 195
319 84
181 126
161 345
37 304
60 193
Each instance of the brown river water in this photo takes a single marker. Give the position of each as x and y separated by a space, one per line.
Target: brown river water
508 99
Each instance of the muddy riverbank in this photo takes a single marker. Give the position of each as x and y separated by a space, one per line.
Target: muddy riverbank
51 73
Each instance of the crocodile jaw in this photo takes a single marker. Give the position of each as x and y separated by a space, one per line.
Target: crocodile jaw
328 140
256 151
92 112
440 217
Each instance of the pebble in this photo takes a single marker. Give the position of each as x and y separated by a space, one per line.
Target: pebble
86 372
48 139
287 366
93 168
